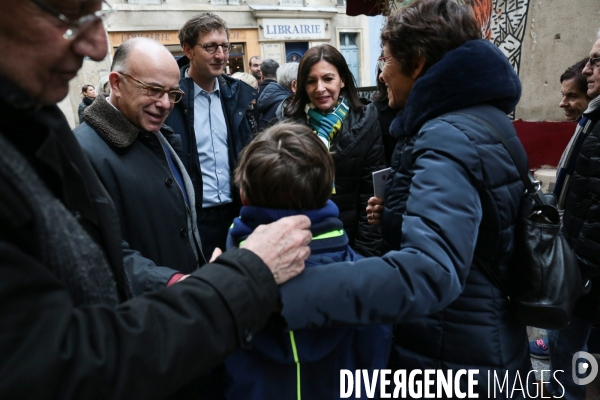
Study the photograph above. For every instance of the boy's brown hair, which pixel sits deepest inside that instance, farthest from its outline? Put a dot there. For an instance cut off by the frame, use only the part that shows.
(286, 167)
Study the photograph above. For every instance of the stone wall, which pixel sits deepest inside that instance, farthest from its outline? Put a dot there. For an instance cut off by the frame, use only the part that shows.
(558, 34)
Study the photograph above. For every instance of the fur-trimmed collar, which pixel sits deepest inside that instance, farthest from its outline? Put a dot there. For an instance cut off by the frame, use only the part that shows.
(111, 124)
(475, 73)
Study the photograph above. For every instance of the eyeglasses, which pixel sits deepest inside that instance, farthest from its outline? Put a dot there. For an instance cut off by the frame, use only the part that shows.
(594, 61)
(211, 48)
(74, 27)
(381, 61)
(156, 92)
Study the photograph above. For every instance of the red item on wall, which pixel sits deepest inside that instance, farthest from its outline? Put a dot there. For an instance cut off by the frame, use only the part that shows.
(544, 142)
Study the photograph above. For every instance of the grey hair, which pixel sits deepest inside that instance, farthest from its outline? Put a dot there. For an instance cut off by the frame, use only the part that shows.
(101, 83)
(287, 73)
(119, 62)
(247, 78)
(598, 34)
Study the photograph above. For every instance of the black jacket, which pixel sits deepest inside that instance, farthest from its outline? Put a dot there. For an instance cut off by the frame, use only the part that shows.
(357, 152)
(581, 219)
(268, 101)
(145, 348)
(235, 98)
(149, 203)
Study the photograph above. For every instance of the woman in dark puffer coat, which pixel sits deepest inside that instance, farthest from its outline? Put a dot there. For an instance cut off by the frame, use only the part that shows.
(454, 193)
(327, 101)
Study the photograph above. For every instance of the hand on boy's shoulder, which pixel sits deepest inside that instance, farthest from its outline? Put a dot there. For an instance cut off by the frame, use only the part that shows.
(282, 245)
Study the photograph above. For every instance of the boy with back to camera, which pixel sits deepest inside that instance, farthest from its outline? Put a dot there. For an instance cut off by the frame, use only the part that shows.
(286, 171)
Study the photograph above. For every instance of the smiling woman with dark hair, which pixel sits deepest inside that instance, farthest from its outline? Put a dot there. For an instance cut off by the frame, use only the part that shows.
(327, 101)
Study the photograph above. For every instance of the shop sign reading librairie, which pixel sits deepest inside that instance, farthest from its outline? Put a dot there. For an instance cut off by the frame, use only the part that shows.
(293, 28)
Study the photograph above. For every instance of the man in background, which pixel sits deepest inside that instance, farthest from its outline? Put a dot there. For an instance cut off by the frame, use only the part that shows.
(578, 195)
(268, 73)
(211, 120)
(275, 94)
(254, 63)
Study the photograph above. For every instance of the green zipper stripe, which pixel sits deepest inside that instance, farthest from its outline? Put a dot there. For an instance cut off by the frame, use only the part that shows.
(326, 235)
(295, 351)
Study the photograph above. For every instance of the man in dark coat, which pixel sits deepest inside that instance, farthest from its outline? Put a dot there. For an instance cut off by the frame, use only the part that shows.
(67, 328)
(136, 157)
(268, 73)
(578, 192)
(275, 94)
(212, 123)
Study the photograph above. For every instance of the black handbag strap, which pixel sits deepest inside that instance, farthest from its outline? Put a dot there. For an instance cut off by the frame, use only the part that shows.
(497, 117)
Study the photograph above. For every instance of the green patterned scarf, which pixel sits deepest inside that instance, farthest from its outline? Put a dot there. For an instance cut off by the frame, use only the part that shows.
(326, 126)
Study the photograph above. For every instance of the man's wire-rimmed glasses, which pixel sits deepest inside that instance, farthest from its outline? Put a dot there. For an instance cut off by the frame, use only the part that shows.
(211, 48)
(156, 93)
(381, 61)
(76, 26)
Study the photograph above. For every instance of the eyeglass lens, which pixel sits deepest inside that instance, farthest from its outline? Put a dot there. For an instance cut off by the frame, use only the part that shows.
(212, 47)
(156, 93)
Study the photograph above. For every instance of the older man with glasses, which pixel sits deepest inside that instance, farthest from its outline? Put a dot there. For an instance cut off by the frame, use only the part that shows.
(68, 328)
(578, 191)
(138, 158)
(212, 123)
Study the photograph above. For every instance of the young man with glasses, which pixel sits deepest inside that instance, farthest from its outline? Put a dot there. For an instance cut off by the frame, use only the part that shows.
(137, 158)
(211, 120)
(68, 326)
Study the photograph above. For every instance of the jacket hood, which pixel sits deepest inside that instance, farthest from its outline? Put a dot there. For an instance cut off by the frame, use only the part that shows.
(475, 73)
(273, 93)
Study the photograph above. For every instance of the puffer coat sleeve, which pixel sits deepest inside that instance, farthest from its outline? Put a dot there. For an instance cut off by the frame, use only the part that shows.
(439, 233)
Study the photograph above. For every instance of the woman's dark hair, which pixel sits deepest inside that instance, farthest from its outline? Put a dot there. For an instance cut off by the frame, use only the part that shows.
(575, 72)
(84, 88)
(312, 56)
(429, 29)
(286, 167)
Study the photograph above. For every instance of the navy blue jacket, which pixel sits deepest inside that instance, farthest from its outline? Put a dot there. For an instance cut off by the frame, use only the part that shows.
(582, 214)
(269, 99)
(455, 191)
(235, 98)
(269, 369)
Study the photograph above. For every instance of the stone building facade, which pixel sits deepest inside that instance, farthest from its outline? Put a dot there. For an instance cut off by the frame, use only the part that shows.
(279, 29)
(540, 37)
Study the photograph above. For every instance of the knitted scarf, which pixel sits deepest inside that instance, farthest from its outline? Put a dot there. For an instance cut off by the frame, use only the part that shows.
(65, 248)
(326, 126)
(87, 101)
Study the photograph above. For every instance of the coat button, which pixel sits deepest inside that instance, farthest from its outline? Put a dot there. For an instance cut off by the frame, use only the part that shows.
(169, 182)
(240, 113)
(248, 335)
(183, 232)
